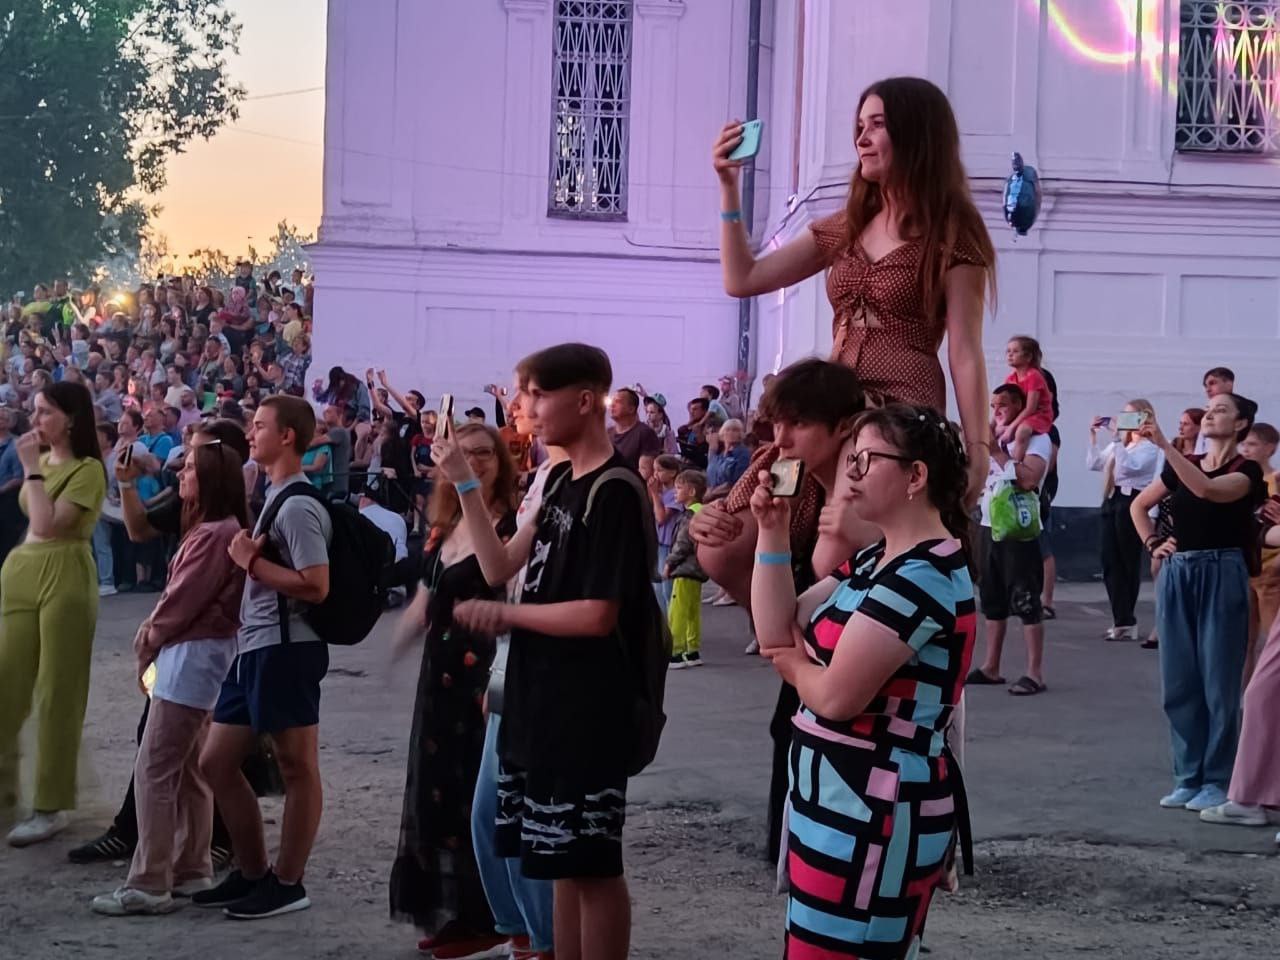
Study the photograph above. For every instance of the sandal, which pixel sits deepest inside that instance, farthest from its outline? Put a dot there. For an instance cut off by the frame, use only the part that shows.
(1026, 687)
(1048, 613)
(1151, 643)
(978, 678)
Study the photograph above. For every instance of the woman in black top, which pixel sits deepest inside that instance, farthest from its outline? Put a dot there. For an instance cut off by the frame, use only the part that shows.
(1202, 595)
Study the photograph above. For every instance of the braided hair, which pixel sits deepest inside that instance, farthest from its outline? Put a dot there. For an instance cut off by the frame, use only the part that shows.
(921, 433)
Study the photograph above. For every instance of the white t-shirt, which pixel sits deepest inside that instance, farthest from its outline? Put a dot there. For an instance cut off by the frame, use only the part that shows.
(191, 673)
(392, 524)
(1038, 446)
(527, 514)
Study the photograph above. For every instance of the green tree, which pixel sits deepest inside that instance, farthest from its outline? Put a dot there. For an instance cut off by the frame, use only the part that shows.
(95, 96)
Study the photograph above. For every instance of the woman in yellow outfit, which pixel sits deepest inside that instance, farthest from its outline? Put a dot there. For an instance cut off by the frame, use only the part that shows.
(49, 606)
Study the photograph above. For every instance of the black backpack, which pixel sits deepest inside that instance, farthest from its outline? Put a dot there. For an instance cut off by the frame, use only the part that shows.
(359, 557)
(646, 646)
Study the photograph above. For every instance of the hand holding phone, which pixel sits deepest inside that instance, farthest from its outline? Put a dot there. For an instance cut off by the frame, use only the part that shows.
(751, 139)
(1131, 420)
(788, 477)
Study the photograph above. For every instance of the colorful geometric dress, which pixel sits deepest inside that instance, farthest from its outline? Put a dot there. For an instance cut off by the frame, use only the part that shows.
(875, 800)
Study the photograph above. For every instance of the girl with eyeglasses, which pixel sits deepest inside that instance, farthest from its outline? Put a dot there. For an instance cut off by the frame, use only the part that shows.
(435, 880)
(878, 653)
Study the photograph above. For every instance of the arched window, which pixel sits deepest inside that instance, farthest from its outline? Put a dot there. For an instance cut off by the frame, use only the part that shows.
(590, 117)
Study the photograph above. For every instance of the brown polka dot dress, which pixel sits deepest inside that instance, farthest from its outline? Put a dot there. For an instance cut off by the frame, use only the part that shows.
(881, 329)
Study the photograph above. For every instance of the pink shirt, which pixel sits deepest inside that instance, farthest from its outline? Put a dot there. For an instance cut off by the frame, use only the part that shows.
(1040, 419)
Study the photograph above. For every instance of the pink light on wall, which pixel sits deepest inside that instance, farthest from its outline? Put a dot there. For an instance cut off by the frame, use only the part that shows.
(1136, 29)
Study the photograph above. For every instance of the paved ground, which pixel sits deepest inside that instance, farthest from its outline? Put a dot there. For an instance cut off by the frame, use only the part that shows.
(1073, 853)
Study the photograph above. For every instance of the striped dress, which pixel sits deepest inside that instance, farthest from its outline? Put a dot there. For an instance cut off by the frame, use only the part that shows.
(873, 801)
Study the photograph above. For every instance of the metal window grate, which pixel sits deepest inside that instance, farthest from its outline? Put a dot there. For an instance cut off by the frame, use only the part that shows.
(591, 113)
(1229, 77)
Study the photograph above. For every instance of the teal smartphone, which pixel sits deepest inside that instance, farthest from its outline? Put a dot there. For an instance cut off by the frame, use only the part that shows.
(751, 137)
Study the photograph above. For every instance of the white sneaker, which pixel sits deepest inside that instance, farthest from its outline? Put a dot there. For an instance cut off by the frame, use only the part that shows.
(1209, 796)
(1235, 814)
(126, 901)
(106, 590)
(198, 885)
(1179, 799)
(39, 827)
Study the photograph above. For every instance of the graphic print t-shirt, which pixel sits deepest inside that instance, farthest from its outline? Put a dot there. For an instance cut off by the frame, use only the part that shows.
(568, 698)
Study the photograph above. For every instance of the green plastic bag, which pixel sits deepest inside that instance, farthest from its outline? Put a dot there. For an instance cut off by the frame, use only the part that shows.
(1015, 513)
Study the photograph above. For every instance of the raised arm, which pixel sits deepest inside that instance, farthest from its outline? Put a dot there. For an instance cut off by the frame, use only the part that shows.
(499, 561)
(745, 275)
(1225, 489)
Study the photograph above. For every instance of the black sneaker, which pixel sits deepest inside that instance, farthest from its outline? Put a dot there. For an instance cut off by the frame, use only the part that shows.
(270, 898)
(109, 846)
(234, 887)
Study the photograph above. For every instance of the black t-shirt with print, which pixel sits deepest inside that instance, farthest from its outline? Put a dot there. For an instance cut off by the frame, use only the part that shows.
(567, 700)
(1200, 524)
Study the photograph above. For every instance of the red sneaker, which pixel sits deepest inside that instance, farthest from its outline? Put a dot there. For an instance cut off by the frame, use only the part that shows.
(471, 948)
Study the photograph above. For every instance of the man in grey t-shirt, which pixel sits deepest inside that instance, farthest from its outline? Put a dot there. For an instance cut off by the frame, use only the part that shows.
(274, 685)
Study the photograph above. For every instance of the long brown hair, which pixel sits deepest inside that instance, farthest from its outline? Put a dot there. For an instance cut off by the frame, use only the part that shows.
(220, 482)
(927, 181)
(445, 510)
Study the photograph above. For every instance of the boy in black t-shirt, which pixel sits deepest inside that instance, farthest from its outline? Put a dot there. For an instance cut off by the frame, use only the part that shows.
(570, 687)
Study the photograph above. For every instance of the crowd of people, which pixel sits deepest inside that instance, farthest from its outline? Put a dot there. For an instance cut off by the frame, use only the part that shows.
(567, 551)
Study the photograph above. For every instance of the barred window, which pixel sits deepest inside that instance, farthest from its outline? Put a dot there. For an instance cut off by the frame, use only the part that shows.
(1229, 77)
(591, 112)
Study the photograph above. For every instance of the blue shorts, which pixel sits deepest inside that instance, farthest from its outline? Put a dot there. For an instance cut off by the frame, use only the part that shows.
(274, 688)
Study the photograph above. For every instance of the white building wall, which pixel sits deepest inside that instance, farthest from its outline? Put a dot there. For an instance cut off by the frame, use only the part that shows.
(435, 245)
(1146, 266)
(438, 261)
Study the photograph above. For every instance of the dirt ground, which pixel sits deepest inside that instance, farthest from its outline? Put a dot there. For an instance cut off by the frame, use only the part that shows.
(1069, 859)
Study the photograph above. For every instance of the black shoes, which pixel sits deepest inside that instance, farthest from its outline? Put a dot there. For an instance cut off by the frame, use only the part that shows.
(110, 846)
(270, 898)
(234, 887)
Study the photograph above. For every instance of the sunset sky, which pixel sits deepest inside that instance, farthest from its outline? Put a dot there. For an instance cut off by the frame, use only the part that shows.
(266, 166)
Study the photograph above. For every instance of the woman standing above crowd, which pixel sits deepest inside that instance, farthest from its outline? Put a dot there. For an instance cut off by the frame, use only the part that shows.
(878, 653)
(1129, 463)
(49, 607)
(907, 260)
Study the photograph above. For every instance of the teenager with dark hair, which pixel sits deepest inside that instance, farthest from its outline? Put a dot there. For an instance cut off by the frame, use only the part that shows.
(49, 604)
(812, 404)
(572, 682)
(190, 639)
(878, 653)
(1202, 608)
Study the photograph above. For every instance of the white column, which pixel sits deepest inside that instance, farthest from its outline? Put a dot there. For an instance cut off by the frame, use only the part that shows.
(526, 159)
(652, 162)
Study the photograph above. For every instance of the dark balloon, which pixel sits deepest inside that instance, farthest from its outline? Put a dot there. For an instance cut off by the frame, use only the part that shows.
(1022, 196)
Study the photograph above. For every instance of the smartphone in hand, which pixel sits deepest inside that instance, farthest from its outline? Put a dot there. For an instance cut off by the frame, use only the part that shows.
(788, 477)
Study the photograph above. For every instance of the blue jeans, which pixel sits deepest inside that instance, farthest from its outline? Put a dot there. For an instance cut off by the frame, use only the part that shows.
(102, 553)
(1203, 622)
(519, 905)
(662, 589)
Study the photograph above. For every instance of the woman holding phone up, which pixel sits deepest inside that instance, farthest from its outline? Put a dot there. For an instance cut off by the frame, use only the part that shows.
(908, 259)
(1128, 463)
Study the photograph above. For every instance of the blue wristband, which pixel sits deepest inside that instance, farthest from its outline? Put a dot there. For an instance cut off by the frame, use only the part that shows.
(773, 559)
(731, 216)
(466, 486)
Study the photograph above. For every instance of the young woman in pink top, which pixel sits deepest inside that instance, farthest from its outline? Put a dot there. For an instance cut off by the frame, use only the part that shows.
(190, 638)
(1023, 355)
